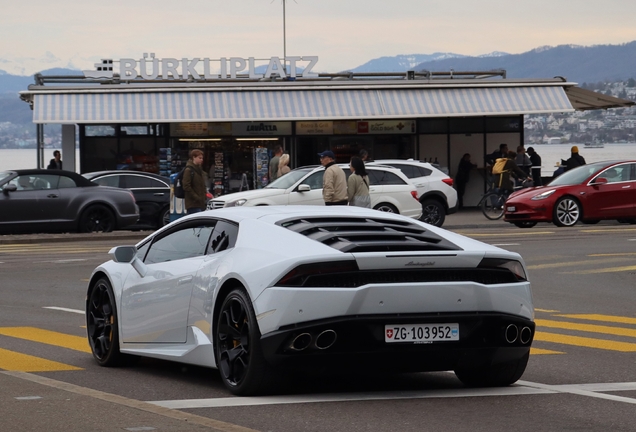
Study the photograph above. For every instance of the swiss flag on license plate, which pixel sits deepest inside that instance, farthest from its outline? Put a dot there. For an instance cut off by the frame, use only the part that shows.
(389, 333)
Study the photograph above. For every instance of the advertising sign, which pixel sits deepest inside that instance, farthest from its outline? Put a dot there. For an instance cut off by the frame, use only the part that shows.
(257, 129)
(378, 127)
(189, 129)
(314, 128)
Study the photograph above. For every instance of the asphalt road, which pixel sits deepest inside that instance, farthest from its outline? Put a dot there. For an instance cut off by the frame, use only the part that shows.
(581, 375)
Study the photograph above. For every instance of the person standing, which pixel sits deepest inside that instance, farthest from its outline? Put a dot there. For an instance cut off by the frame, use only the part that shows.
(334, 181)
(536, 167)
(56, 162)
(283, 165)
(523, 160)
(461, 179)
(364, 155)
(358, 184)
(575, 159)
(273, 163)
(194, 183)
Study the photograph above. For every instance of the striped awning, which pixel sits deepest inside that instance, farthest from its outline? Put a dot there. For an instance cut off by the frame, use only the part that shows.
(149, 106)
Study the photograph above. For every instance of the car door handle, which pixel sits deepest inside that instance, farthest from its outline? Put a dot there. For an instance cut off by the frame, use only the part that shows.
(626, 187)
(185, 280)
(159, 194)
(52, 196)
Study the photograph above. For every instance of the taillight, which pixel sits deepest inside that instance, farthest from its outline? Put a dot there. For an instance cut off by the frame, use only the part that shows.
(414, 195)
(512, 266)
(299, 275)
(448, 181)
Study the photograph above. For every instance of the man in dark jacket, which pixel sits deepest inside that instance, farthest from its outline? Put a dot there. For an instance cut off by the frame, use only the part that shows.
(505, 182)
(536, 166)
(575, 159)
(194, 183)
(56, 162)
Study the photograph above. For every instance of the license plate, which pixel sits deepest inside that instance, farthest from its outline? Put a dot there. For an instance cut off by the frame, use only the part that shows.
(511, 209)
(422, 333)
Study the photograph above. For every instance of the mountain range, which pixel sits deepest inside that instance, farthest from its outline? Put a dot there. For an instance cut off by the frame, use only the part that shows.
(582, 64)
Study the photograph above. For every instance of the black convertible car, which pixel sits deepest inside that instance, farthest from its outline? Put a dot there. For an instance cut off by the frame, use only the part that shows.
(38, 200)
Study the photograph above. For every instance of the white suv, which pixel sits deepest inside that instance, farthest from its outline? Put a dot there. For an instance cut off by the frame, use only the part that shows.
(434, 188)
(390, 191)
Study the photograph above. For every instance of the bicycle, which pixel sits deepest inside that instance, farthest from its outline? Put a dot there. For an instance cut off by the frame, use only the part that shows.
(493, 203)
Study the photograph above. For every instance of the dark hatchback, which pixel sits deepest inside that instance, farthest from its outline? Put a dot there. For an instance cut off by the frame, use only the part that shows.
(39, 200)
(152, 193)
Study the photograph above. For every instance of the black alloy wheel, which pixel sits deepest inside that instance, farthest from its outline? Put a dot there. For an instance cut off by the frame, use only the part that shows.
(101, 325)
(433, 213)
(97, 218)
(239, 357)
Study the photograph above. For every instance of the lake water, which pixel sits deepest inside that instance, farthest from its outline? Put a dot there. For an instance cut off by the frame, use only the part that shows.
(550, 155)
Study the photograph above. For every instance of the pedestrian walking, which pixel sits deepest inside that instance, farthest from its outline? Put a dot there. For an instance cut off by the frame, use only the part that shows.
(462, 176)
(358, 184)
(273, 163)
(194, 183)
(536, 167)
(334, 181)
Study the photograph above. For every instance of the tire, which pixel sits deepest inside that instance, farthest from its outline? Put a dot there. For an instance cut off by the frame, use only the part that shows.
(102, 326)
(164, 217)
(239, 356)
(499, 375)
(526, 224)
(386, 207)
(97, 218)
(493, 206)
(433, 212)
(567, 212)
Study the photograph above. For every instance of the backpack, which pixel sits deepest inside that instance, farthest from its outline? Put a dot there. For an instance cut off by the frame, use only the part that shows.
(500, 164)
(178, 183)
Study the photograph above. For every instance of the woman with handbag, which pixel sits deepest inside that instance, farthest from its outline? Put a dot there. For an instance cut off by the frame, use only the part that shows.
(358, 184)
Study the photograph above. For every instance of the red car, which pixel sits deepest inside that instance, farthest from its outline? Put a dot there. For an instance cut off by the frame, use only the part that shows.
(589, 193)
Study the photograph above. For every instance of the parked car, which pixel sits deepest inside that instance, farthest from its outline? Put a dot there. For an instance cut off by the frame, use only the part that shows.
(434, 188)
(152, 193)
(587, 194)
(254, 291)
(39, 200)
(389, 189)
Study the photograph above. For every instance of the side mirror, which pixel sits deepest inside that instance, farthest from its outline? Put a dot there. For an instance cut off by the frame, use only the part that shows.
(128, 255)
(9, 188)
(304, 188)
(123, 254)
(599, 181)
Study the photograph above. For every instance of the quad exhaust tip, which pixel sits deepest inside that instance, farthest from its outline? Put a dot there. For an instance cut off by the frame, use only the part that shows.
(301, 342)
(512, 333)
(526, 335)
(326, 339)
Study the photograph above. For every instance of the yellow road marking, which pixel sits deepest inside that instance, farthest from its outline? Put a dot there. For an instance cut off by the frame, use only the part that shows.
(525, 233)
(585, 342)
(613, 254)
(591, 328)
(597, 317)
(545, 310)
(576, 263)
(76, 343)
(13, 361)
(606, 270)
(540, 351)
(608, 229)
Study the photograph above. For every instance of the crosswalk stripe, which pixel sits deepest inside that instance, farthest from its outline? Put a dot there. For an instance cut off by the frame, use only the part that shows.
(591, 328)
(33, 334)
(13, 361)
(598, 317)
(585, 342)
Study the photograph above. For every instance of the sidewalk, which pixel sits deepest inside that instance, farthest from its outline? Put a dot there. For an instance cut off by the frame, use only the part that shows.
(466, 218)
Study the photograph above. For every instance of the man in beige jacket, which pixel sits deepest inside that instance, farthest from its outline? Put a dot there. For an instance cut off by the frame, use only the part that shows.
(334, 181)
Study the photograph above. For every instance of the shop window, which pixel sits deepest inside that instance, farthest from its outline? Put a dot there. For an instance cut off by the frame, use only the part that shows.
(99, 130)
(135, 130)
(432, 126)
(466, 125)
(504, 124)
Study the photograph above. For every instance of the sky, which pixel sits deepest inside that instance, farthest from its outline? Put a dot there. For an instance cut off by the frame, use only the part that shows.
(41, 34)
